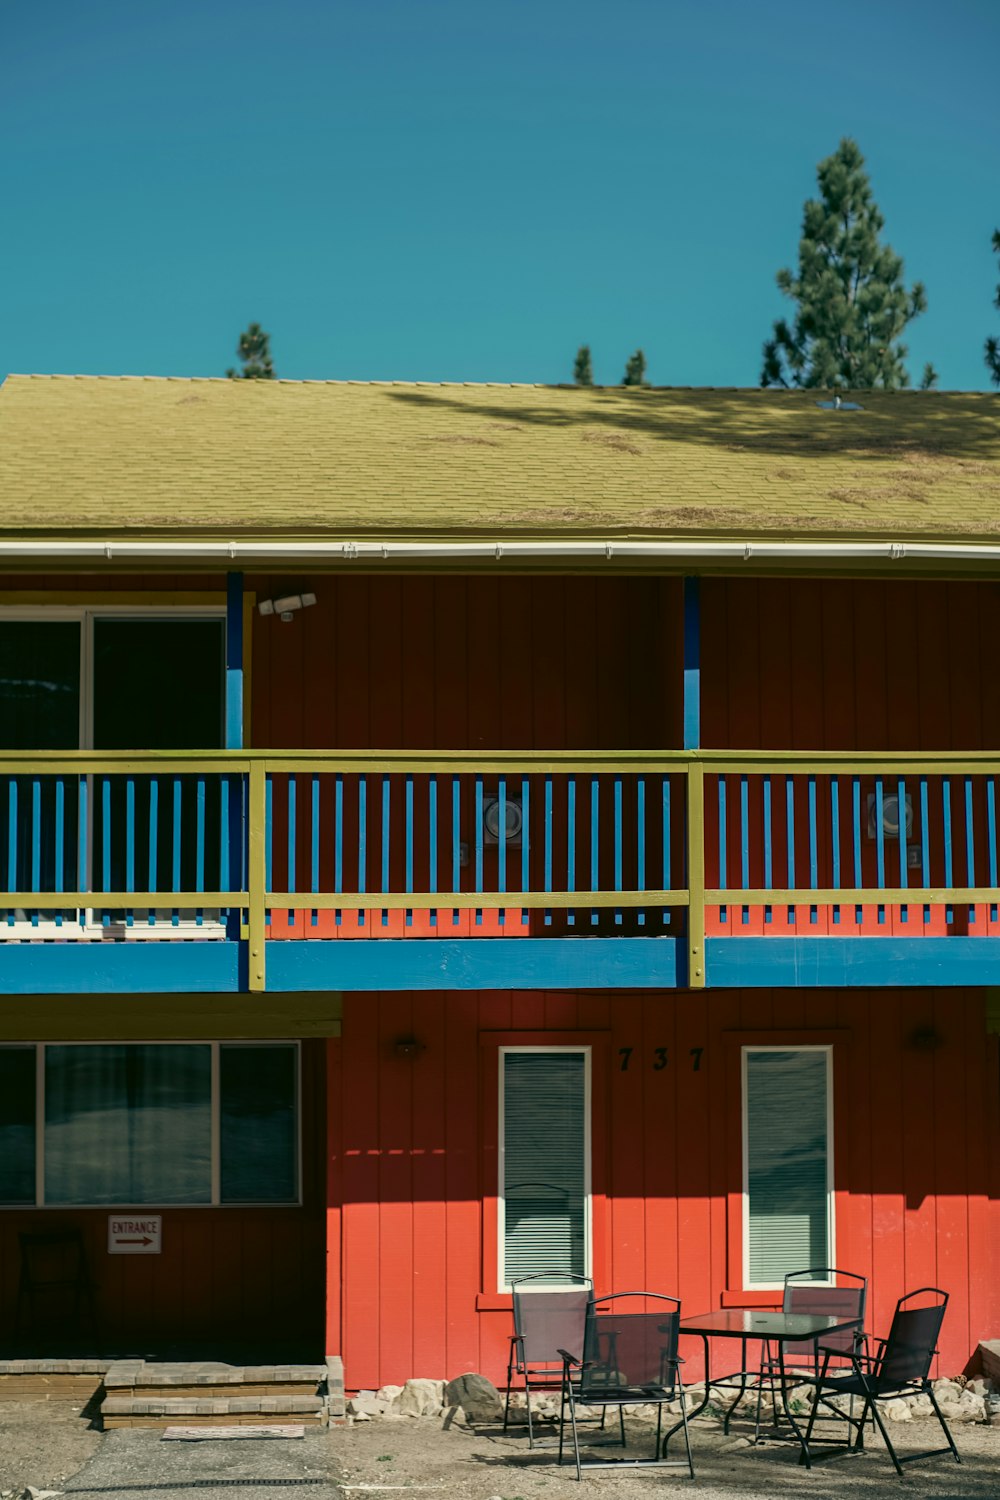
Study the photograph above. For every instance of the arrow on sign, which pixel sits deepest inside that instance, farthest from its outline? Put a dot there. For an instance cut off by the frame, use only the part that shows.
(145, 1241)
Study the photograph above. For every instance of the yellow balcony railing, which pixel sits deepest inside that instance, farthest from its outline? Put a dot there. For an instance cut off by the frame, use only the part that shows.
(259, 844)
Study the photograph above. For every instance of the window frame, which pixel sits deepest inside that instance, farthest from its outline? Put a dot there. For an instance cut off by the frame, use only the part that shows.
(86, 615)
(580, 1048)
(827, 1048)
(215, 1104)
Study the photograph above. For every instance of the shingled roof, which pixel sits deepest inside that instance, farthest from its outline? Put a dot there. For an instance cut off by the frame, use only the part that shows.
(127, 457)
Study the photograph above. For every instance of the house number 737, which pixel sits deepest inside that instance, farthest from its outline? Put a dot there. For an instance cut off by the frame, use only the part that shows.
(661, 1058)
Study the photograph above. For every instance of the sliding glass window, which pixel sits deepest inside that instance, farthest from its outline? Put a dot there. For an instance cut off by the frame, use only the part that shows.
(135, 1124)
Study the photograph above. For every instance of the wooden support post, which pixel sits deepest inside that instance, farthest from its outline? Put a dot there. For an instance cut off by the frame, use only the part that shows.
(695, 785)
(257, 874)
(696, 875)
(234, 661)
(236, 832)
(692, 663)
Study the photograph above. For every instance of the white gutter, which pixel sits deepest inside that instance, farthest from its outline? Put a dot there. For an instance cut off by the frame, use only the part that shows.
(264, 553)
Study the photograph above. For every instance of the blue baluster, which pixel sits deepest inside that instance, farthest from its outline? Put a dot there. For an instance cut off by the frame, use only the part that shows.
(595, 825)
(314, 846)
(525, 844)
(292, 806)
(547, 846)
(175, 913)
(130, 844)
(502, 838)
(768, 844)
(60, 835)
(570, 844)
(154, 807)
(835, 837)
(456, 844)
(617, 794)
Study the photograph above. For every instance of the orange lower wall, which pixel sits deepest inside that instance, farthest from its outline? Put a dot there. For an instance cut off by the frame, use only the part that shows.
(916, 1142)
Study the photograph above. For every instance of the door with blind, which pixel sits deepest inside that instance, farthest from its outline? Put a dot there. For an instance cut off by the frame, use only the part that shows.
(545, 1163)
(788, 1201)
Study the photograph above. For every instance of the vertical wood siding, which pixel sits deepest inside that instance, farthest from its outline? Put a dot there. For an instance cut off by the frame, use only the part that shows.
(831, 664)
(467, 663)
(917, 1158)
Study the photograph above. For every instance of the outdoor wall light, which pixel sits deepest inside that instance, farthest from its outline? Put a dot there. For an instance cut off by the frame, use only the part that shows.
(286, 606)
(407, 1048)
(513, 820)
(890, 815)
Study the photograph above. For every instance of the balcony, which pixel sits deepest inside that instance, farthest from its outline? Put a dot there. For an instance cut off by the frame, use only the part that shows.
(675, 868)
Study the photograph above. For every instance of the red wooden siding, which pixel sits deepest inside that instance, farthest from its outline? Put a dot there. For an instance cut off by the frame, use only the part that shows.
(841, 664)
(252, 1277)
(467, 663)
(917, 1158)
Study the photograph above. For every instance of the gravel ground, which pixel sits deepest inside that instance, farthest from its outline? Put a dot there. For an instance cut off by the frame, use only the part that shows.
(377, 1457)
(43, 1442)
(51, 1445)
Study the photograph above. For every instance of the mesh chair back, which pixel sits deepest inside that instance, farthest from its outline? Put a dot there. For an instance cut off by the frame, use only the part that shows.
(550, 1321)
(551, 1318)
(913, 1337)
(630, 1350)
(803, 1295)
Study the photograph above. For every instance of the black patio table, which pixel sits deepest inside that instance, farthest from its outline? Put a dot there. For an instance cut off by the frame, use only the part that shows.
(746, 1324)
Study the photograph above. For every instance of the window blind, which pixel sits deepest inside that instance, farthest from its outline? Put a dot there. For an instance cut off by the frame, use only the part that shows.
(787, 1157)
(544, 1188)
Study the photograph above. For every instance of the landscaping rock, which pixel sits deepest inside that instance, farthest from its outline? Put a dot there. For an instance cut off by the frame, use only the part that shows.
(477, 1396)
(389, 1395)
(364, 1406)
(420, 1398)
(897, 1411)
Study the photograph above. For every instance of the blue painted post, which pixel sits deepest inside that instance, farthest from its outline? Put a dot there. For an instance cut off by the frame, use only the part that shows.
(692, 663)
(234, 661)
(692, 716)
(234, 741)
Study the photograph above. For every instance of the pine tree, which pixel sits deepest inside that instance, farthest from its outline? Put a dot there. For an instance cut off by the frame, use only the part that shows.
(583, 370)
(254, 350)
(991, 349)
(851, 305)
(635, 369)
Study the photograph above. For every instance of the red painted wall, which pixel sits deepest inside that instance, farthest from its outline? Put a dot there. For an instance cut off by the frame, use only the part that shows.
(917, 1158)
(831, 664)
(466, 663)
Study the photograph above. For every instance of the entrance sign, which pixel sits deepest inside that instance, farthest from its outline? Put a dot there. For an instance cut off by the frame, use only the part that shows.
(132, 1235)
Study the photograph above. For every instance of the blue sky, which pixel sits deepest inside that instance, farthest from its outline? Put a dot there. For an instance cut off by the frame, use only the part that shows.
(450, 190)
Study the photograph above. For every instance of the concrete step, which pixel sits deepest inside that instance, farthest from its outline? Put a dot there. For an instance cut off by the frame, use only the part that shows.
(197, 1377)
(44, 1379)
(209, 1410)
(148, 1393)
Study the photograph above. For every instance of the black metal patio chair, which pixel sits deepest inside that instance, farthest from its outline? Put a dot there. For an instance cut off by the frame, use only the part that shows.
(900, 1367)
(550, 1310)
(814, 1291)
(629, 1359)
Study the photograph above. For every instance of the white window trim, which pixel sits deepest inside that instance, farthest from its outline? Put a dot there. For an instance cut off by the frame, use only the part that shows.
(215, 1201)
(586, 1052)
(831, 1225)
(86, 615)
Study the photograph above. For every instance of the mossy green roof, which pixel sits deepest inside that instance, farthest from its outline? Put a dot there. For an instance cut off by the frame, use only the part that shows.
(82, 455)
